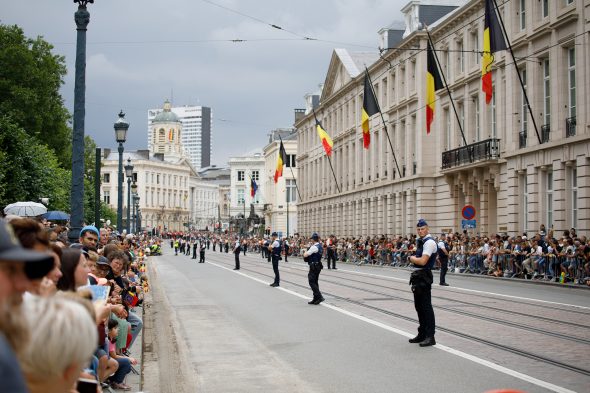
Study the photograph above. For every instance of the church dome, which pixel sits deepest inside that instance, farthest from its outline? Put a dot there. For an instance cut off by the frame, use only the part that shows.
(166, 116)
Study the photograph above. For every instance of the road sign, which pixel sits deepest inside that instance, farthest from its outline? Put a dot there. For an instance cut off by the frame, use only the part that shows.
(468, 224)
(468, 212)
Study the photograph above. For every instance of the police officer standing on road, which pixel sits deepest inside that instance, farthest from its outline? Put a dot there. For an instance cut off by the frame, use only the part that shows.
(313, 256)
(443, 256)
(275, 254)
(421, 282)
(331, 246)
(236, 250)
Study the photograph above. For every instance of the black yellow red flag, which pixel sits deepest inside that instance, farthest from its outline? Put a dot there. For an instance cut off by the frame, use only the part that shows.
(493, 41)
(370, 107)
(282, 160)
(433, 83)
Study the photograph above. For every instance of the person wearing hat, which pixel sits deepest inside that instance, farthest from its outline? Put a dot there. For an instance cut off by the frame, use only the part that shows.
(313, 256)
(236, 250)
(331, 251)
(421, 282)
(18, 268)
(89, 236)
(443, 256)
(275, 253)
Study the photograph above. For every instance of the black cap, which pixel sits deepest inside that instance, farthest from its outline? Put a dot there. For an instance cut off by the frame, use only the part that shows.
(37, 264)
(274, 234)
(315, 236)
(103, 261)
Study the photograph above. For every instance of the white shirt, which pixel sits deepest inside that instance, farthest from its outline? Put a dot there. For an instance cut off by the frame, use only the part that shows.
(441, 245)
(312, 250)
(428, 248)
(276, 244)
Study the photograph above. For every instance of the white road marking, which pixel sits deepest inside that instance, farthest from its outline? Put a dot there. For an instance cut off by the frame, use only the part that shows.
(475, 359)
(471, 290)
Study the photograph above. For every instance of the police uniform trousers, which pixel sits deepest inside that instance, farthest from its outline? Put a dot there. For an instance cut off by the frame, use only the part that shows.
(275, 268)
(331, 257)
(444, 267)
(422, 286)
(313, 277)
(202, 256)
(237, 255)
(195, 251)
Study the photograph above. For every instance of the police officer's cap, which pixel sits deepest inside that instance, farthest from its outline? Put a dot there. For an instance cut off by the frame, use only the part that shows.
(421, 223)
(275, 234)
(315, 236)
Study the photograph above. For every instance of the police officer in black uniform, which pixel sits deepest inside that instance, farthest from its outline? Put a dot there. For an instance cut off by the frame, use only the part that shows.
(421, 282)
(236, 250)
(313, 256)
(444, 246)
(275, 253)
(202, 253)
(331, 251)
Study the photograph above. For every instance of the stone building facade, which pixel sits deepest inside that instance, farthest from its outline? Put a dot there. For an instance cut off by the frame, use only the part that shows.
(280, 198)
(515, 180)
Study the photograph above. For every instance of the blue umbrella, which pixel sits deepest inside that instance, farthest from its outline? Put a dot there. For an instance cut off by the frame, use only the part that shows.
(56, 215)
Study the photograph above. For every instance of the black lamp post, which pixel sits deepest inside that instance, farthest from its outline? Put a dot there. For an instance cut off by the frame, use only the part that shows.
(121, 127)
(82, 18)
(129, 174)
(135, 207)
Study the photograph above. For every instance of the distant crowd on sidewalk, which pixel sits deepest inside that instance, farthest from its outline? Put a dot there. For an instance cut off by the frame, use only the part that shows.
(544, 255)
(69, 313)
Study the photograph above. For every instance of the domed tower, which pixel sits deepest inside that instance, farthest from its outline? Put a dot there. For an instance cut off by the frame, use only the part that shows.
(166, 133)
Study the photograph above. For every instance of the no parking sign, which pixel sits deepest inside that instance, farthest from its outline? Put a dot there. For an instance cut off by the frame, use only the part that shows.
(468, 212)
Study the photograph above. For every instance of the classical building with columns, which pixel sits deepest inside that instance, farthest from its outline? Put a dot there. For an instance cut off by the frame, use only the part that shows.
(517, 177)
(172, 195)
(280, 208)
(242, 204)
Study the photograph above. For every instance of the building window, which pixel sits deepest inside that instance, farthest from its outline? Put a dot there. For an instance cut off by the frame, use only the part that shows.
(547, 91)
(525, 202)
(241, 199)
(147, 177)
(461, 56)
(134, 177)
(475, 45)
(477, 123)
(549, 223)
(291, 160)
(574, 182)
(447, 117)
(523, 112)
(571, 71)
(545, 8)
(256, 175)
(291, 190)
(522, 11)
(107, 178)
(158, 178)
(241, 175)
(106, 197)
(494, 115)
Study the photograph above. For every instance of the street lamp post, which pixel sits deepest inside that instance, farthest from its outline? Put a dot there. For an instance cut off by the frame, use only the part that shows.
(129, 175)
(82, 18)
(133, 195)
(135, 211)
(121, 127)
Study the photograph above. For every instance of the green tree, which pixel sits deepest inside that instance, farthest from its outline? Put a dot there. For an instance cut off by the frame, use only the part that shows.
(30, 78)
(29, 170)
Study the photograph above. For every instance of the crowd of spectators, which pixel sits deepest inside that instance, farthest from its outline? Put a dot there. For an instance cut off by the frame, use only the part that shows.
(544, 255)
(68, 312)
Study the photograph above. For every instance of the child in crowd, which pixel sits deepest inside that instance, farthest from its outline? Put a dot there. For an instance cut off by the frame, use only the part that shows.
(125, 362)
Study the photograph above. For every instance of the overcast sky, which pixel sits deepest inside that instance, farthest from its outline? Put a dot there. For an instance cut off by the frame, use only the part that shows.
(252, 87)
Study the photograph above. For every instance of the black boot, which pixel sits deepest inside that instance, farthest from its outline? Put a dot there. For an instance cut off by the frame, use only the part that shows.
(419, 338)
(428, 341)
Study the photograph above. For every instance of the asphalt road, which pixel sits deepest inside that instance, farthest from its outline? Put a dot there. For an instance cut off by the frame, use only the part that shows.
(237, 334)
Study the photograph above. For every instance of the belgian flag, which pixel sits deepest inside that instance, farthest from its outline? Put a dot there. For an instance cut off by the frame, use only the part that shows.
(280, 162)
(370, 107)
(433, 84)
(324, 137)
(493, 41)
(253, 187)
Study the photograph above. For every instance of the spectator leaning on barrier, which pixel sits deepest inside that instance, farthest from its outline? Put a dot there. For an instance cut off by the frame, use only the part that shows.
(18, 267)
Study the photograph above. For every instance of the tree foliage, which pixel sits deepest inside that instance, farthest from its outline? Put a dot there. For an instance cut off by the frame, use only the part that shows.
(30, 78)
(29, 170)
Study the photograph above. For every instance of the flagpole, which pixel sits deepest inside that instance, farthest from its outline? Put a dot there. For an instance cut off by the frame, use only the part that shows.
(526, 97)
(384, 124)
(332, 168)
(292, 174)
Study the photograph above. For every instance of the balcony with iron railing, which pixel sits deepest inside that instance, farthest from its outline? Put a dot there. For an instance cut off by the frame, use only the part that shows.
(522, 139)
(570, 126)
(470, 154)
(545, 133)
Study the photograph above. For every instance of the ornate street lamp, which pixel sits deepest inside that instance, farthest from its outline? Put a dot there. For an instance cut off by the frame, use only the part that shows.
(129, 174)
(82, 18)
(135, 207)
(121, 127)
